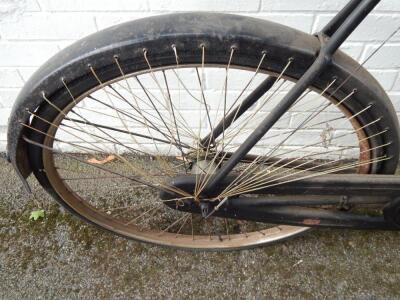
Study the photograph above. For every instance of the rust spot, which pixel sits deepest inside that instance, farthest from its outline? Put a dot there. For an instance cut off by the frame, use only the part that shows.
(311, 221)
(364, 145)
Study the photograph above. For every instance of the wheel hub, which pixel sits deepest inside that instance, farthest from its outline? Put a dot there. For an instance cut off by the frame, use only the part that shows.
(203, 167)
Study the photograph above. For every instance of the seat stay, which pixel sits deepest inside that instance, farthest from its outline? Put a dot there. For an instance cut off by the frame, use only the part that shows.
(328, 48)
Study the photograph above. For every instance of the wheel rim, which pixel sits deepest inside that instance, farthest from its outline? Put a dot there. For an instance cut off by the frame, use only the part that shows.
(204, 241)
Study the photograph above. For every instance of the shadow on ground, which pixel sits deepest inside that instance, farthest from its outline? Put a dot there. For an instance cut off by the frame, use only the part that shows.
(62, 257)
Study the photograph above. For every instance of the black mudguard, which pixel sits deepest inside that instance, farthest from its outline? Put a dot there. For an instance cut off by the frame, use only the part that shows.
(162, 31)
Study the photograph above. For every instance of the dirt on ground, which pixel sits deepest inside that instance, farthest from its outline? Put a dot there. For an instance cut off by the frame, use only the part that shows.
(61, 257)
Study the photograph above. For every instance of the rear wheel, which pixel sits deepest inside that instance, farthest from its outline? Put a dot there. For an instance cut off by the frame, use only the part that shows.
(108, 143)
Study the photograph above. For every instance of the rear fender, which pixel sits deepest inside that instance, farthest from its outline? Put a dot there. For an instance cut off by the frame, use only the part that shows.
(99, 49)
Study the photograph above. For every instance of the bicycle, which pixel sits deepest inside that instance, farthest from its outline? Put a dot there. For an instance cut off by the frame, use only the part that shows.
(212, 131)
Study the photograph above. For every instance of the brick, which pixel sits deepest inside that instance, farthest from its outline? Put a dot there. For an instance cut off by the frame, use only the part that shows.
(3, 133)
(7, 97)
(48, 27)
(297, 151)
(4, 114)
(95, 5)
(256, 119)
(3, 138)
(12, 8)
(10, 78)
(32, 6)
(204, 5)
(309, 103)
(304, 137)
(351, 153)
(376, 27)
(215, 100)
(385, 77)
(386, 57)
(296, 5)
(353, 49)
(321, 5)
(345, 138)
(64, 44)
(388, 5)
(237, 79)
(26, 54)
(322, 120)
(395, 97)
(396, 86)
(181, 78)
(107, 20)
(26, 73)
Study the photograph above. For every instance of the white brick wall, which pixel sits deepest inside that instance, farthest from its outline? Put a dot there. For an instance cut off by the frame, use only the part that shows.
(33, 30)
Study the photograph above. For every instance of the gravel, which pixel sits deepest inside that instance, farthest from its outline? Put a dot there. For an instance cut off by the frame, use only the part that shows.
(62, 257)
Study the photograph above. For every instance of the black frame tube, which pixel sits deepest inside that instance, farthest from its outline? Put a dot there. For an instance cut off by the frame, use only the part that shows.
(303, 216)
(339, 18)
(350, 189)
(249, 209)
(327, 50)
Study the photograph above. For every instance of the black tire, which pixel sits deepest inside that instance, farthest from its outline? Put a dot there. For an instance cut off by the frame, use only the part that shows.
(218, 33)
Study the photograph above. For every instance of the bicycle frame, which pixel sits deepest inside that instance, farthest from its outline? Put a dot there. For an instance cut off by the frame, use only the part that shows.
(346, 190)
